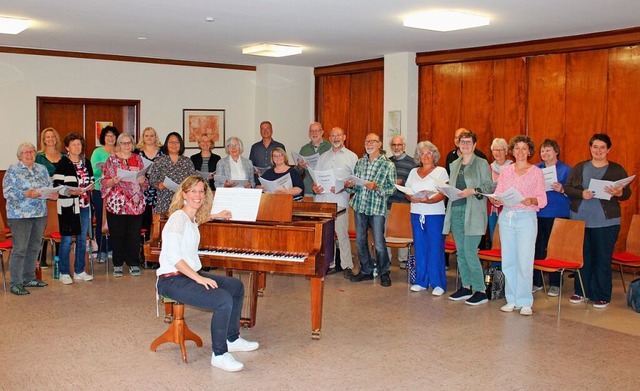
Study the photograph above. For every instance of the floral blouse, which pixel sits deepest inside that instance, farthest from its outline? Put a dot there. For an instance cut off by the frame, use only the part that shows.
(123, 198)
(177, 172)
(151, 194)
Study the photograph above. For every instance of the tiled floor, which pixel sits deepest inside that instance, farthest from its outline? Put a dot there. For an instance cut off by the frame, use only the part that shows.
(96, 335)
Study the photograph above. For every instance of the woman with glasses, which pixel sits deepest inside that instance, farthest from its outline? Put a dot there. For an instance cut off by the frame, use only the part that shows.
(499, 151)
(466, 217)
(235, 170)
(172, 165)
(280, 168)
(124, 201)
(427, 219)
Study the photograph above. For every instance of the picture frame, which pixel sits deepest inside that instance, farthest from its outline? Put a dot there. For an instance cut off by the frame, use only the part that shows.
(196, 122)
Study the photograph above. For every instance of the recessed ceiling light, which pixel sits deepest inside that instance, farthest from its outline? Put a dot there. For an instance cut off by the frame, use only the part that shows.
(445, 20)
(13, 25)
(271, 50)
(209, 19)
(142, 38)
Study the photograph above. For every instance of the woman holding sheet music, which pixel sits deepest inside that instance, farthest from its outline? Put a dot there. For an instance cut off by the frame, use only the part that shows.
(74, 206)
(281, 168)
(235, 170)
(427, 219)
(518, 224)
(149, 148)
(206, 161)
(602, 218)
(172, 165)
(124, 202)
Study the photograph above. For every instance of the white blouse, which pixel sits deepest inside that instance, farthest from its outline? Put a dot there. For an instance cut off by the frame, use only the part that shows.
(427, 183)
(180, 240)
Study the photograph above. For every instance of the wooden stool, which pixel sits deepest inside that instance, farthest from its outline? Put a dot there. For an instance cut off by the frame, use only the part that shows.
(178, 331)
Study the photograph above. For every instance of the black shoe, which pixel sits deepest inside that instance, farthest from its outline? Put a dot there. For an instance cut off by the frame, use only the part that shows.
(348, 273)
(332, 270)
(478, 298)
(361, 277)
(461, 294)
(44, 265)
(385, 280)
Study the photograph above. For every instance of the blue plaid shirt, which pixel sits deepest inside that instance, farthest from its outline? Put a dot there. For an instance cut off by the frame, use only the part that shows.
(381, 171)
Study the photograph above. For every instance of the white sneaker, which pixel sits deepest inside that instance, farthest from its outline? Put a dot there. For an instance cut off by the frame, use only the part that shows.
(509, 307)
(417, 288)
(536, 289)
(242, 345)
(526, 311)
(437, 291)
(66, 279)
(83, 276)
(226, 362)
(553, 291)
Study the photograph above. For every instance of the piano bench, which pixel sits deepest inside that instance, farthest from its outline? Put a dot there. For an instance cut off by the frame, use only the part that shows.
(178, 331)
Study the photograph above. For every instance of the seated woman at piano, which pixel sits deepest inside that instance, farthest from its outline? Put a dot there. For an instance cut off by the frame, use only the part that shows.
(180, 279)
(234, 170)
(281, 168)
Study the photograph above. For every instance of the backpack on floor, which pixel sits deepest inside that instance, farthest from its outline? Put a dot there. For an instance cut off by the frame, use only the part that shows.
(633, 295)
(494, 281)
(411, 268)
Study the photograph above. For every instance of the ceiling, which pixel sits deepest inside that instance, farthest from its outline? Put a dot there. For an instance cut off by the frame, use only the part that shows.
(330, 31)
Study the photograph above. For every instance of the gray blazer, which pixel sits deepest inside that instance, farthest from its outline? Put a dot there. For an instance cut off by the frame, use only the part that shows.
(224, 168)
(477, 174)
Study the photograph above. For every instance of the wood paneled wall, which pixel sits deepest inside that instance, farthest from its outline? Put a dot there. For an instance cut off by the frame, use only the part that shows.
(351, 96)
(563, 96)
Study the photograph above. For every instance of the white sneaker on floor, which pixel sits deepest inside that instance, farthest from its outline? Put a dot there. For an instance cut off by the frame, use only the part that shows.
(437, 291)
(66, 279)
(226, 362)
(83, 276)
(242, 345)
(526, 311)
(553, 291)
(417, 288)
(509, 307)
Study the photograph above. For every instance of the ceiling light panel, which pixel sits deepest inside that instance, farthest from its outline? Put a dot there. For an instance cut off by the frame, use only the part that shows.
(271, 50)
(445, 20)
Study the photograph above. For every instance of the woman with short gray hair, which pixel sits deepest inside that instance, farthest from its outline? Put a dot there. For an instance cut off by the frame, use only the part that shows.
(234, 170)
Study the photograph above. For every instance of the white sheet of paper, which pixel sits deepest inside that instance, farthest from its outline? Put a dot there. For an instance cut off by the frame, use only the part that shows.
(89, 187)
(242, 203)
(597, 186)
(131, 176)
(147, 163)
(450, 191)
(510, 197)
(325, 178)
(169, 184)
(284, 182)
(205, 175)
(311, 160)
(45, 192)
(550, 176)
(261, 170)
(99, 165)
(420, 194)
(358, 181)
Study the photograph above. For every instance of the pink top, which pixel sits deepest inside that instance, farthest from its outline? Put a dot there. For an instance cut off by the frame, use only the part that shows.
(123, 198)
(531, 184)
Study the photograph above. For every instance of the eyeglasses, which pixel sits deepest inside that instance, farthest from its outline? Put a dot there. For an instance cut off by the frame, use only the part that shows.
(426, 153)
(126, 143)
(397, 145)
(499, 150)
(367, 142)
(466, 142)
(277, 155)
(173, 142)
(30, 151)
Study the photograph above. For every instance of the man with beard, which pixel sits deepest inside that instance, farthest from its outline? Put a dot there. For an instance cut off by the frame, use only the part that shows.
(317, 145)
(342, 161)
(370, 208)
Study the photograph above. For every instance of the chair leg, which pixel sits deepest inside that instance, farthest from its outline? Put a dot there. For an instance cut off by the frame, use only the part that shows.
(586, 303)
(624, 286)
(544, 286)
(559, 290)
(4, 277)
(178, 332)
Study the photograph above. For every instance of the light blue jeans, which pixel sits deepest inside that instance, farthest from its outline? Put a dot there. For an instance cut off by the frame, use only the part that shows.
(81, 245)
(518, 231)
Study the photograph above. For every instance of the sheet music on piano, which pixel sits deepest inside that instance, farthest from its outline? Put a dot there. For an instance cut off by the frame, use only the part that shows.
(243, 203)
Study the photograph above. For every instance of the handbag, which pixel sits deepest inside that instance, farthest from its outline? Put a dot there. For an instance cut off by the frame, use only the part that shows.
(494, 282)
(411, 268)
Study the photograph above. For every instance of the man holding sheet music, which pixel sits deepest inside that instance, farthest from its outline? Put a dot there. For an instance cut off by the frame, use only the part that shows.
(374, 180)
(332, 167)
(316, 147)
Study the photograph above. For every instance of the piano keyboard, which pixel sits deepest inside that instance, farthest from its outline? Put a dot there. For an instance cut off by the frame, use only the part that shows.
(251, 254)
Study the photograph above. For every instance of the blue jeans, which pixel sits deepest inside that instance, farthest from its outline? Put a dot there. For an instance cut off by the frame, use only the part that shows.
(376, 222)
(596, 272)
(98, 202)
(518, 230)
(428, 242)
(225, 302)
(81, 245)
(466, 251)
(27, 238)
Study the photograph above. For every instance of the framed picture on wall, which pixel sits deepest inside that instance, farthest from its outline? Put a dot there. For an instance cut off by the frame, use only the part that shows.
(199, 122)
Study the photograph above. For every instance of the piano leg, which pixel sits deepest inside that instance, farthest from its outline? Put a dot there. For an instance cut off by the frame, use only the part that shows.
(250, 302)
(262, 283)
(317, 293)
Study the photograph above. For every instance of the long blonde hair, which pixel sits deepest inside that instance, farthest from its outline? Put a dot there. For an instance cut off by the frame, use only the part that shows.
(57, 136)
(203, 213)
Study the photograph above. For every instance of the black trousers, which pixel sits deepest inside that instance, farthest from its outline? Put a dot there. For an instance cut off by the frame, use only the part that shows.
(125, 238)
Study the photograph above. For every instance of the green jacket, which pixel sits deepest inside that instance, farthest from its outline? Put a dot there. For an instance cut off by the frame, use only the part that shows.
(307, 150)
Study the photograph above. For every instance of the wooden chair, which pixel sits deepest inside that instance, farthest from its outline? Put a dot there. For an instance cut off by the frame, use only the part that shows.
(564, 252)
(398, 232)
(495, 254)
(5, 246)
(630, 257)
(52, 229)
(105, 235)
(178, 331)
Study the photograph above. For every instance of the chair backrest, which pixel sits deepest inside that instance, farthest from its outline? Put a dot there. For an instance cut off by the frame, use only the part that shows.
(3, 234)
(53, 225)
(566, 241)
(633, 236)
(154, 236)
(399, 221)
(352, 221)
(495, 243)
(105, 226)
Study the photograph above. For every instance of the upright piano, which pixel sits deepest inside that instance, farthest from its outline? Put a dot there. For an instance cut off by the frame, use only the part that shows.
(288, 237)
